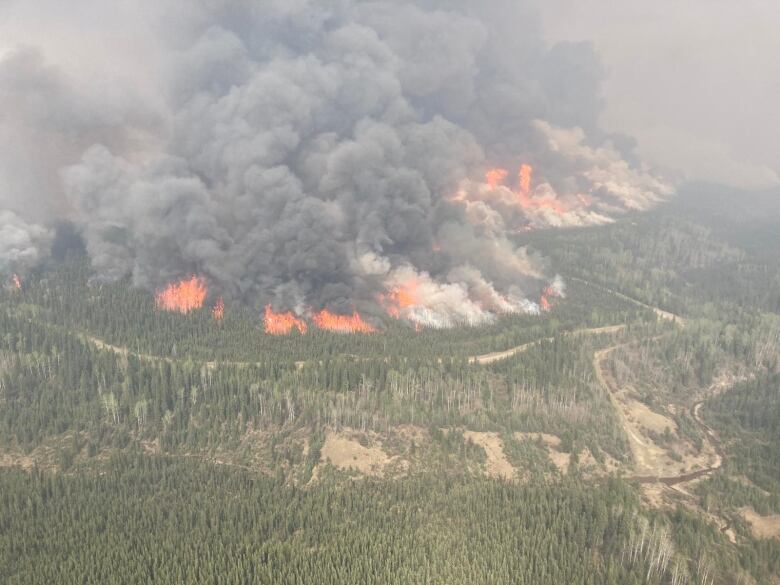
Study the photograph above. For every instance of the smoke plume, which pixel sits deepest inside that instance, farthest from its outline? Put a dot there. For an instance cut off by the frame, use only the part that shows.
(328, 156)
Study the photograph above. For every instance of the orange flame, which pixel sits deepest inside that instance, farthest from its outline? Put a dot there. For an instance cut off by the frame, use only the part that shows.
(496, 177)
(183, 296)
(282, 323)
(526, 176)
(16, 282)
(399, 298)
(218, 310)
(342, 323)
(527, 201)
(547, 302)
(552, 203)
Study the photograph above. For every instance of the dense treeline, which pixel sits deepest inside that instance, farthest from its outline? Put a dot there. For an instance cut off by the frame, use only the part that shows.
(53, 382)
(681, 362)
(196, 391)
(748, 416)
(153, 520)
(701, 248)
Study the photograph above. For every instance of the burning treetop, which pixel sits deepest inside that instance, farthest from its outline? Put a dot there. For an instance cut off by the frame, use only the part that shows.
(183, 296)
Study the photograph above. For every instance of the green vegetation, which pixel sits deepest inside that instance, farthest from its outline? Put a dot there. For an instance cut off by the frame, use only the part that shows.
(143, 446)
(153, 520)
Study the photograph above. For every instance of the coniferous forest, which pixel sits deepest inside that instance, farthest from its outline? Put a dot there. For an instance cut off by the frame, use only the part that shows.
(629, 435)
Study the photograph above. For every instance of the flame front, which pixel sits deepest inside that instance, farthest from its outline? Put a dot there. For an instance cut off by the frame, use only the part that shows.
(496, 177)
(282, 323)
(218, 310)
(526, 176)
(399, 298)
(183, 296)
(529, 200)
(342, 323)
(16, 282)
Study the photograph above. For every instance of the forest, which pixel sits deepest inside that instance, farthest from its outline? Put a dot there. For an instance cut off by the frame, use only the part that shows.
(629, 435)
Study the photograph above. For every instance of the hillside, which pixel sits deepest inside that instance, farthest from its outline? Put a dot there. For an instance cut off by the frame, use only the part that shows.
(627, 435)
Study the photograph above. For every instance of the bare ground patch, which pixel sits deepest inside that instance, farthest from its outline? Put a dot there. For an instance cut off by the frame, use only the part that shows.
(762, 526)
(673, 458)
(360, 451)
(497, 464)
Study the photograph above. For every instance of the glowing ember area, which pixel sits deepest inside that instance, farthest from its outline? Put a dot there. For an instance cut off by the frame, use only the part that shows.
(496, 177)
(545, 202)
(282, 323)
(183, 296)
(399, 298)
(552, 292)
(342, 323)
(218, 310)
(536, 201)
(526, 176)
(16, 282)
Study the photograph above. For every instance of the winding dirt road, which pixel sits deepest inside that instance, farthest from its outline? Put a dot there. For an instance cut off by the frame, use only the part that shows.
(651, 461)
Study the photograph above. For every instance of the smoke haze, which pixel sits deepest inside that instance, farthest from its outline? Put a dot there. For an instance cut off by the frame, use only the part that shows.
(310, 155)
(695, 82)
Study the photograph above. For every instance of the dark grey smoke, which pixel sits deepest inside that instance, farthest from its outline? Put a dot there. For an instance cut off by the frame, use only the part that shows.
(309, 150)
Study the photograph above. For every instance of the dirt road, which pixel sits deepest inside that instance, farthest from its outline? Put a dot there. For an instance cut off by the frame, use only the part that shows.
(653, 462)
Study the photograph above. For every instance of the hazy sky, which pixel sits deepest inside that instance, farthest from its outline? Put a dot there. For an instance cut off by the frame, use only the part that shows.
(697, 82)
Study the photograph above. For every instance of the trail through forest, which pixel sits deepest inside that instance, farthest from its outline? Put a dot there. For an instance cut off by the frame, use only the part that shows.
(653, 463)
(497, 356)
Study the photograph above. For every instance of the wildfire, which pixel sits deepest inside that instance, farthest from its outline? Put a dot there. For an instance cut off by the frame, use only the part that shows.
(282, 323)
(526, 195)
(342, 323)
(526, 175)
(552, 203)
(16, 282)
(496, 177)
(218, 310)
(183, 296)
(399, 298)
(549, 294)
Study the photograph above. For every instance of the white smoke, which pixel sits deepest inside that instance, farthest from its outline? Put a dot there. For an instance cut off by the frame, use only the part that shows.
(22, 244)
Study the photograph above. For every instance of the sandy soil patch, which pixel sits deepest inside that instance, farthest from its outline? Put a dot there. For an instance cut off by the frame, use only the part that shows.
(26, 462)
(550, 440)
(651, 458)
(497, 464)
(649, 419)
(561, 459)
(762, 526)
(343, 450)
